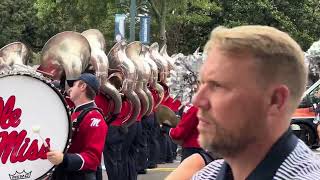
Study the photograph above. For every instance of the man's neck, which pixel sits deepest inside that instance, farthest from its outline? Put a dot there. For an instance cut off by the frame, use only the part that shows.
(246, 161)
(82, 101)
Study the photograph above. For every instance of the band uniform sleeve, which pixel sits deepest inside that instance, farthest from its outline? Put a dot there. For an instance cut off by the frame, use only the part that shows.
(187, 123)
(72, 162)
(93, 133)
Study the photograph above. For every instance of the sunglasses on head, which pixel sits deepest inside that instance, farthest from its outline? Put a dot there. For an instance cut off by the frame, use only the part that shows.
(70, 83)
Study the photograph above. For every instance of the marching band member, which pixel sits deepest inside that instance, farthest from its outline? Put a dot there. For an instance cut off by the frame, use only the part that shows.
(186, 132)
(140, 146)
(84, 155)
(113, 156)
(153, 146)
(186, 77)
(175, 105)
(165, 141)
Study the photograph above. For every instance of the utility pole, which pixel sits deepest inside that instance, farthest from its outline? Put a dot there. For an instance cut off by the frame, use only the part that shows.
(133, 12)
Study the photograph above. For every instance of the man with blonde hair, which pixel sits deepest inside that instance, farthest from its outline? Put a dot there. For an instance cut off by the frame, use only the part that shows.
(251, 82)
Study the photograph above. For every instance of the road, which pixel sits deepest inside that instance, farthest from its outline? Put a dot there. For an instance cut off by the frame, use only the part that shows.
(158, 173)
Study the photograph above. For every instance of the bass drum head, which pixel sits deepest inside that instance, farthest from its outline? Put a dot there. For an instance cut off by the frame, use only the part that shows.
(31, 111)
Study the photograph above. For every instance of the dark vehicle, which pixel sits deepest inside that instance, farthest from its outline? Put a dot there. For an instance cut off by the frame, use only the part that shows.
(305, 119)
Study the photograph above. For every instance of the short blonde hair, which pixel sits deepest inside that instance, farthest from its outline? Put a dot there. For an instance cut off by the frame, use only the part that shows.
(279, 58)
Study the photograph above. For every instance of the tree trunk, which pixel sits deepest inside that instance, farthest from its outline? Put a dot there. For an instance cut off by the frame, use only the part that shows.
(163, 36)
(161, 19)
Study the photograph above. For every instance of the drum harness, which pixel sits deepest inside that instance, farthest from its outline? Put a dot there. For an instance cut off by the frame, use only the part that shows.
(76, 124)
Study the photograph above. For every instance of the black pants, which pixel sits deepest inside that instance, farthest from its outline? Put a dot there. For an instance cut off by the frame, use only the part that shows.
(163, 147)
(152, 140)
(128, 153)
(60, 174)
(99, 173)
(112, 153)
(174, 150)
(140, 143)
(146, 133)
(186, 152)
(169, 152)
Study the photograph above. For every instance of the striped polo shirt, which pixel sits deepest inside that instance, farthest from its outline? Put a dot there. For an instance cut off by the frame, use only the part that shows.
(289, 158)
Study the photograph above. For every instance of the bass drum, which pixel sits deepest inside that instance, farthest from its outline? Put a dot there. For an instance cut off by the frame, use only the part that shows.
(33, 119)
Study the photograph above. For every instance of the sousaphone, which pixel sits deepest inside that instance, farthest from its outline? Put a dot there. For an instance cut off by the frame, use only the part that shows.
(14, 53)
(134, 53)
(129, 84)
(67, 53)
(100, 63)
(164, 54)
(160, 61)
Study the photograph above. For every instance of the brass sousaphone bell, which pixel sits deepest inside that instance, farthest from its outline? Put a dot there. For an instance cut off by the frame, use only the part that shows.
(164, 54)
(65, 53)
(100, 63)
(129, 84)
(162, 64)
(149, 79)
(134, 53)
(14, 53)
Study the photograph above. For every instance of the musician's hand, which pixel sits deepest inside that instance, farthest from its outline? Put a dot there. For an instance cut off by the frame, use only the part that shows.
(55, 157)
(165, 128)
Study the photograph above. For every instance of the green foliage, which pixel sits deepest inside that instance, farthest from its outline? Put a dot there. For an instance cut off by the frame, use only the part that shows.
(17, 22)
(191, 25)
(76, 15)
(297, 17)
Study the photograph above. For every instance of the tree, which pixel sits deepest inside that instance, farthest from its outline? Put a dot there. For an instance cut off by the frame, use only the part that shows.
(297, 17)
(191, 22)
(76, 15)
(189, 25)
(160, 10)
(18, 21)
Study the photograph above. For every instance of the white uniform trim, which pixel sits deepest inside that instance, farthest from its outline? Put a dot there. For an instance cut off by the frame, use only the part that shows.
(302, 117)
(82, 161)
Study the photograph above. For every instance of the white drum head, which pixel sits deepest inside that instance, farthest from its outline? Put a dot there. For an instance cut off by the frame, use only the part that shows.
(30, 109)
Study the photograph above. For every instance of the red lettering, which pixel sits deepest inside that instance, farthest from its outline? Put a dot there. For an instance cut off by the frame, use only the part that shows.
(32, 152)
(9, 117)
(43, 150)
(23, 148)
(16, 147)
(15, 140)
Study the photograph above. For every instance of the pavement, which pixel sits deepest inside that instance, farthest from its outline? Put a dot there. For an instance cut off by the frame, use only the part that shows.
(159, 173)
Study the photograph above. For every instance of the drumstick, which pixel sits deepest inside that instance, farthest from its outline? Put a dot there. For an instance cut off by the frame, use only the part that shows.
(36, 129)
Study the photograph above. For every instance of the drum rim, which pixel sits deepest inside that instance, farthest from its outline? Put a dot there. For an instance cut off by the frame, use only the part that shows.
(66, 107)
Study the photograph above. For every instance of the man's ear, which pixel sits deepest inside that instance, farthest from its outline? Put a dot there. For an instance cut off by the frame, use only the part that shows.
(279, 97)
(83, 86)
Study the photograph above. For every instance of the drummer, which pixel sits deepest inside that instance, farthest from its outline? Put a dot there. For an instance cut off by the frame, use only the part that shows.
(84, 155)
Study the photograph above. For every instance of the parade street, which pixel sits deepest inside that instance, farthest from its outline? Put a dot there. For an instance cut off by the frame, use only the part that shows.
(158, 173)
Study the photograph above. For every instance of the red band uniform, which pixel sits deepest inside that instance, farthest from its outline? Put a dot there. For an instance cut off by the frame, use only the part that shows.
(89, 132)
(186, 132)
